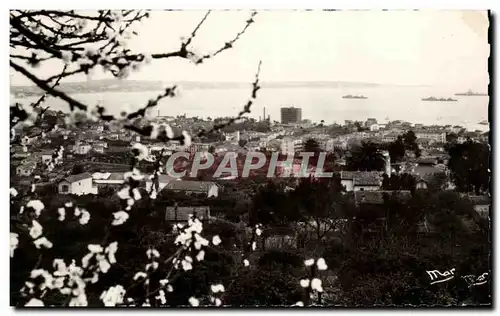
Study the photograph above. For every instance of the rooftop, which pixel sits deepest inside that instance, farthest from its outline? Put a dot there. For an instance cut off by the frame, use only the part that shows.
(78, 177)
(194, 186)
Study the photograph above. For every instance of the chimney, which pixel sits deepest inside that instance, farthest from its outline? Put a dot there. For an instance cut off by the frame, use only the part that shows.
(264, 116)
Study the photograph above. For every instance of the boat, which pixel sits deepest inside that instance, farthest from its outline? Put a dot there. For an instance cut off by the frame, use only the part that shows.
(438, 99)
(485, 122)
(349, 96)
(472, 94)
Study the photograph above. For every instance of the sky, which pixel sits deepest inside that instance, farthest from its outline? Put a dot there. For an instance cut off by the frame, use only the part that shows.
(438, 48)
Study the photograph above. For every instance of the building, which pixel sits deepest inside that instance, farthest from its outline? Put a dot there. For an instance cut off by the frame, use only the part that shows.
(434, 135)
(26, 169)
(81, 149)
(211, 189)
(78, 184)
(290, 145)
(371, 121)
(181, 214)
(361, 180)
(291, 115)
(114, 179)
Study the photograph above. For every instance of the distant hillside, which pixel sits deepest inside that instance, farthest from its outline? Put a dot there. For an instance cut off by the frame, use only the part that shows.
(96, 86)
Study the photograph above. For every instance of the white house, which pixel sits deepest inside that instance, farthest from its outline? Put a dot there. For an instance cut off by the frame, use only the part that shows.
(289, 145)
(108, 179)
(78, 184)
(361, 180)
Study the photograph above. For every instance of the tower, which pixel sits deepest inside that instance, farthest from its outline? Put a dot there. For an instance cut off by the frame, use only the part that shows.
(264, 116)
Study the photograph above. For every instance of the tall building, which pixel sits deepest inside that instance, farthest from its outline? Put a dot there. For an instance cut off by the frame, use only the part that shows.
(291, 115)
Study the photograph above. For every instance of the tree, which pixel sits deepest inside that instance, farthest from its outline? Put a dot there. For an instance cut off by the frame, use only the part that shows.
(469, 164)
(366, 157)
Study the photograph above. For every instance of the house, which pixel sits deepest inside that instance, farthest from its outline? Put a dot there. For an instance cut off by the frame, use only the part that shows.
(26, 169)
(361, 180)
(108, 179)
(77, 184)
(438, 136)
(181, 214)
(211, 189)
(46, 156)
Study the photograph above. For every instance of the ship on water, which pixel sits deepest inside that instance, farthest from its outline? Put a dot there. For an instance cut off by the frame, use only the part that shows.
(472, 94)
(483, 122)
(349, 96)
(438, 99)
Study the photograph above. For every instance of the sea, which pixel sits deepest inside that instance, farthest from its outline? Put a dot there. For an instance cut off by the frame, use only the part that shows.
(317, 103)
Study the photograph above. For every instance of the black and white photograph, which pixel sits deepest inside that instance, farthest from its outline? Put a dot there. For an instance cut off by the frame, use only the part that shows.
(209, 158)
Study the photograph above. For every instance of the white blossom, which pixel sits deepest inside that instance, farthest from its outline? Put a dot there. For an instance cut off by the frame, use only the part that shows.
(201, 255)
(163, 282)
(124, 193)
(61, 269)
(254, 246)
(137, 194)
(258, 231)
(104, 265)
(13, 192)
(153, 265)
(34, 303)
(246, 262)
(217, 288)
(170, 288)
(194, 302)
(68, 204)
(14, 241)
(85, 217)
(161, 297)
(120, 218)
(299, 303)
(114, 295)
(309, 262)
(321, 264)
(42, 242)
(36, 230)
(37, 205)
(139, 275)
(186, 265)
(94, 248)
(77, 211)
(316, 285)
(216, 240)
(304, 282)
(111, 251)
(152, 253)
(62, 213)
(218, 302)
